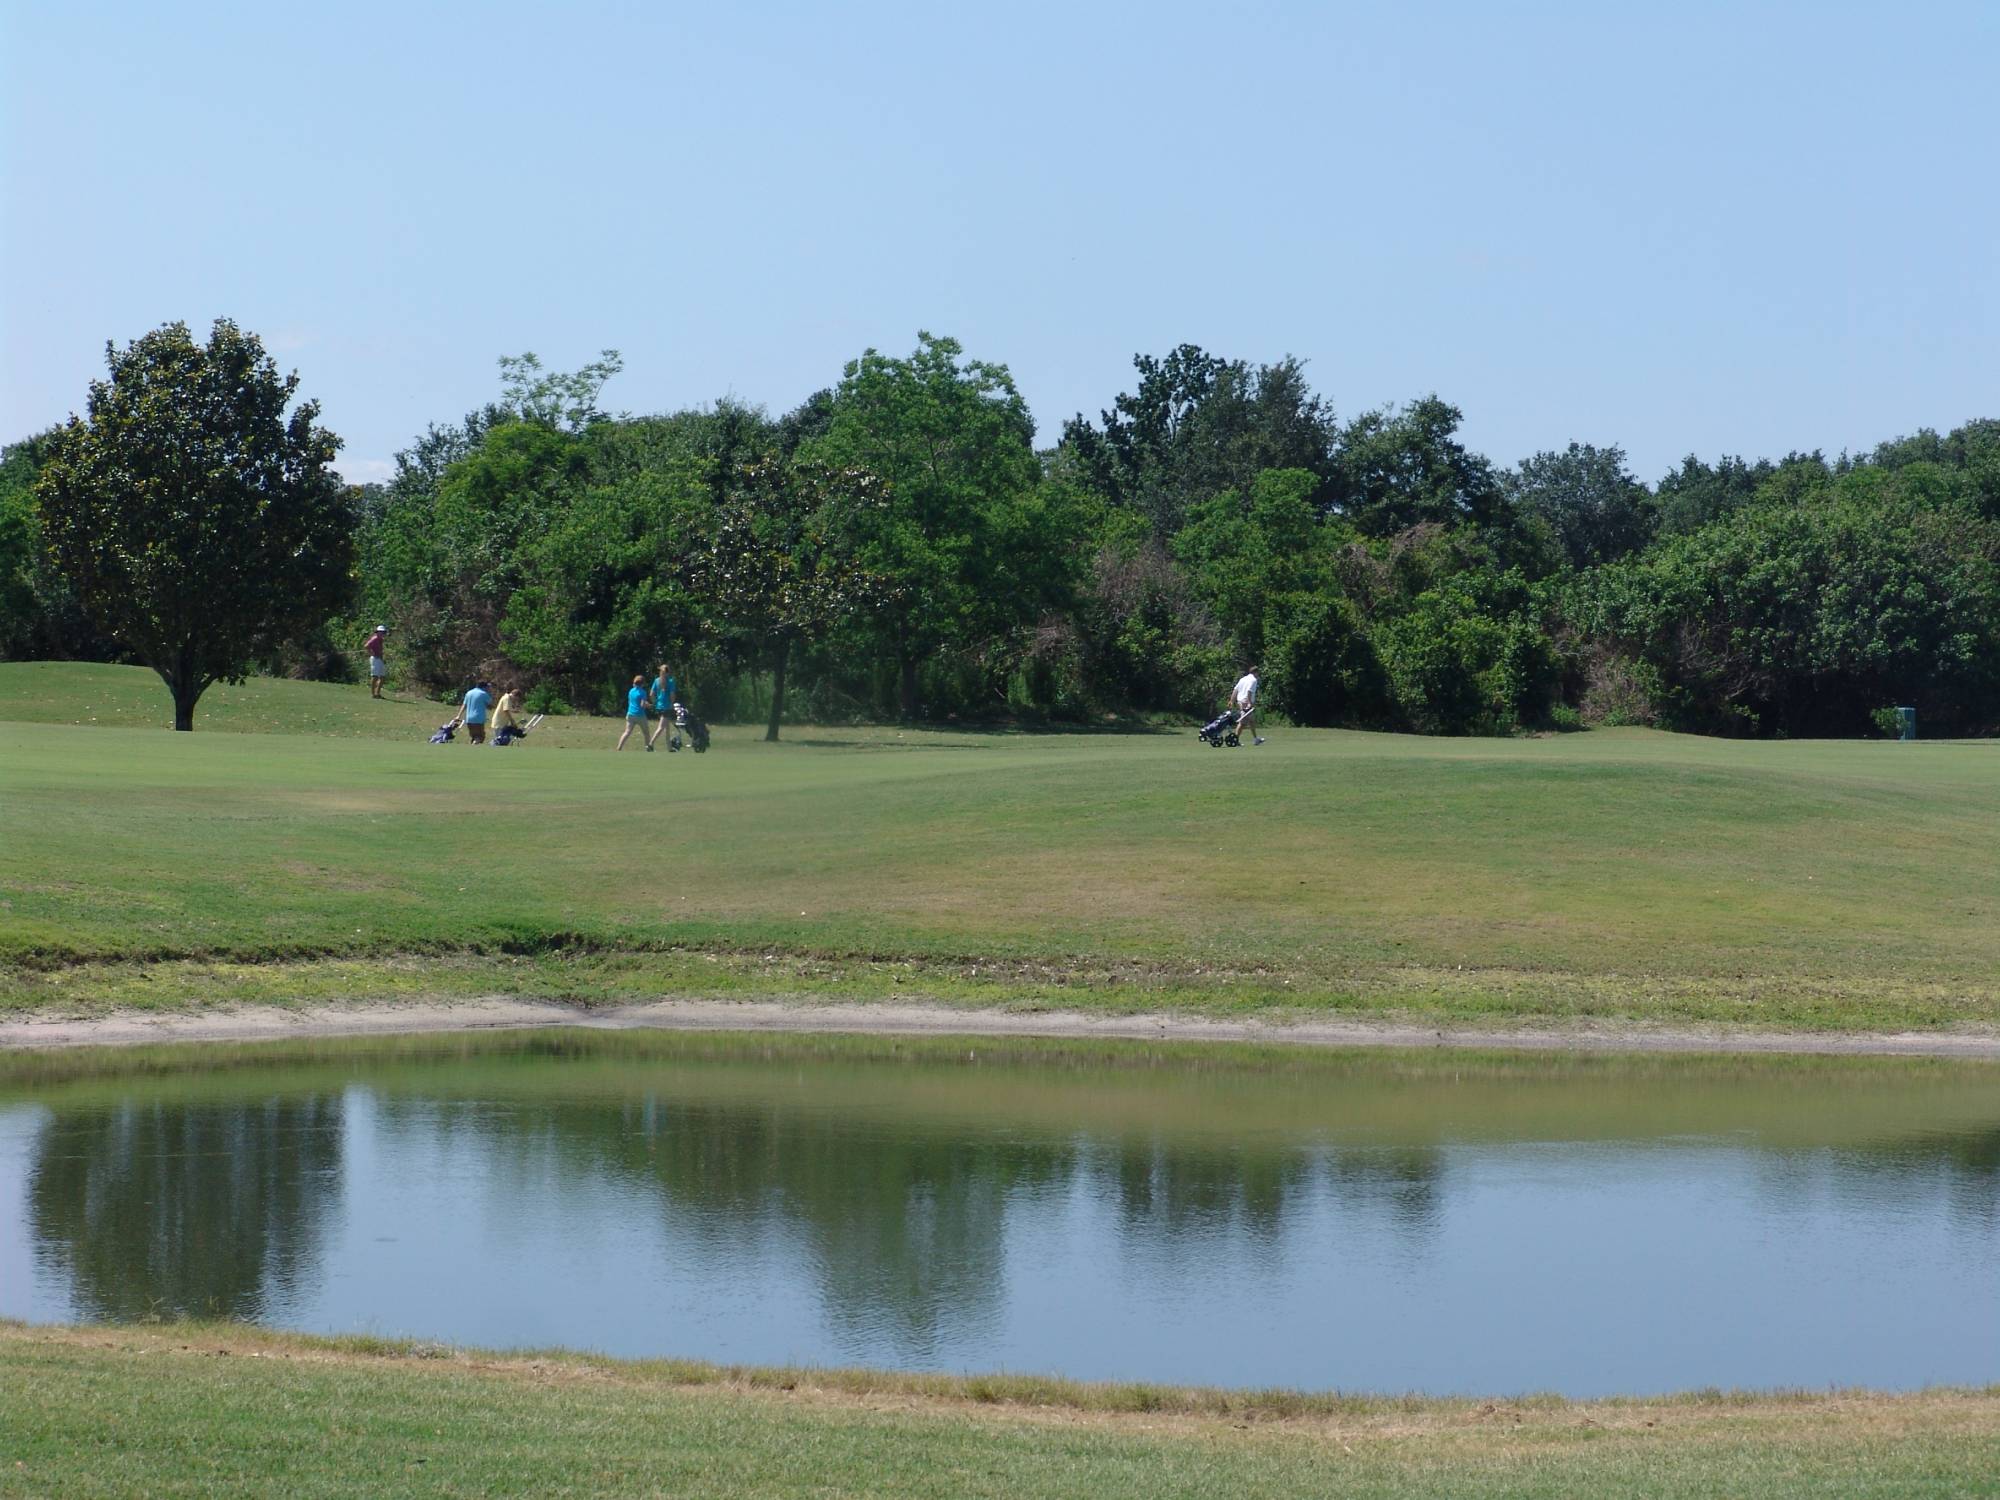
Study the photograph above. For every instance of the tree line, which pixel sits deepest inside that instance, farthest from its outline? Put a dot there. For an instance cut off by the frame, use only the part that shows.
(896, 546)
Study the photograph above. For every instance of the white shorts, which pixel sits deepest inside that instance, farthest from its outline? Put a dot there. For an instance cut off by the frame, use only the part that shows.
(377, 667)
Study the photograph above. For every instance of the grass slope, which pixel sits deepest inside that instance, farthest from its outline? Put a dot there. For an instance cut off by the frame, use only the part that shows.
(89, 694)
(1619, 874)
(219, 1411)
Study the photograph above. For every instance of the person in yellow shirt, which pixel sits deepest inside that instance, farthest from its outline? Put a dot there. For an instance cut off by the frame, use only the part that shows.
(505, 710)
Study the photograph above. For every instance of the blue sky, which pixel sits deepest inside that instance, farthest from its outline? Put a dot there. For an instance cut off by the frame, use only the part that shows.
(1740, 228)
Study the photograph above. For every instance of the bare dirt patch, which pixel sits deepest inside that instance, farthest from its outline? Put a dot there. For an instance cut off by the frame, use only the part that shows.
(892, 1018)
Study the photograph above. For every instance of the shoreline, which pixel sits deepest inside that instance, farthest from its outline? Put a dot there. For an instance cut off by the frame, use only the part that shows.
(993, 1393)
(254, 1023)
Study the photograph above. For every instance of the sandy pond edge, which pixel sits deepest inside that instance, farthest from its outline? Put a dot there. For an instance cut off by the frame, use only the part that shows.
(249, 1023)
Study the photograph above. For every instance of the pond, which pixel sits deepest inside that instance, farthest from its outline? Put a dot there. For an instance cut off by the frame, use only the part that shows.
(1430, 1222)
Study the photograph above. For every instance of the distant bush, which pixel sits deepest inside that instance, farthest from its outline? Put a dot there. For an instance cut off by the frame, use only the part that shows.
(1618, 692)
(1322, 666)
(1469, 657)
(1801, 614)
(544, 699)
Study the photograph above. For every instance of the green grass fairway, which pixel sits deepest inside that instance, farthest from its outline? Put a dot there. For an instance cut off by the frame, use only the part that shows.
(1618, 874)
(217, 1411)
(86, 694)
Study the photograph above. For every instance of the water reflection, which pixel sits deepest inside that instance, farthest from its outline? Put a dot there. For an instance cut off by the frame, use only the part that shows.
(1961, 1166)
(1383, 1232)
(165, 1210)
(903, 1229)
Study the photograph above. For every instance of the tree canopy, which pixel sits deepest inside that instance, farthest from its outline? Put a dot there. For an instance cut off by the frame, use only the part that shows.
(198, 520)
(895, 545)
(954, 543)
(1199, 425)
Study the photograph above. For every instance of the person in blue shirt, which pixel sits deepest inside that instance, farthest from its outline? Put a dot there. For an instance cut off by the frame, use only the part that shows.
(663, 705)
(635, 714)
(478, 702)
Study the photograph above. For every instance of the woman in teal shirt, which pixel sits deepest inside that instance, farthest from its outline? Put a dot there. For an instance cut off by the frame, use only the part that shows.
(635, 713)
(663, 705)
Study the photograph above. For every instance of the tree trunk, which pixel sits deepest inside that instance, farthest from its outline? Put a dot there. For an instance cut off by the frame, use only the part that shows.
(186, 687)
(909, 666)
(784, 654)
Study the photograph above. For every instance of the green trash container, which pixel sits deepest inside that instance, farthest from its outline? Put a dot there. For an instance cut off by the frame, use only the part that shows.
(1907, 717)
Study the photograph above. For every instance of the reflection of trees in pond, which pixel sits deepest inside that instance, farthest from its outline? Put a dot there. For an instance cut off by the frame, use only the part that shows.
(1405, 1184)
(1974, 1157)
(1168, 1193)
(1958, 1170)
(904, 1220)
(193, 1210)
(1963, 1164)
(1165, 1193)
(903, 1227)
(908, 1230)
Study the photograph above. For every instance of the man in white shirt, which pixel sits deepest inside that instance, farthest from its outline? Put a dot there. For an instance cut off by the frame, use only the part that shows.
(1243, 698)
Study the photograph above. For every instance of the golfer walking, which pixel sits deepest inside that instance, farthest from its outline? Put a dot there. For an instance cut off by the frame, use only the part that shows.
(635, 714)
(1243, 698)
(663, 691)
(378, 669)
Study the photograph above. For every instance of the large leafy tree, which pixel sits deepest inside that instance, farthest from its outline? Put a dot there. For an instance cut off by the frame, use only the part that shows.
(557, 398)
(20, 545)
(779, 568)
(959, 541)
(195, 511)
(1585, 495)
(604, 585)
(1242, 556)
(1973, 450)
(1399, 468)
(40, 618)
(447, 559)
(604, 591)
(1199, 425)
(1271, 572)
(1697, 493)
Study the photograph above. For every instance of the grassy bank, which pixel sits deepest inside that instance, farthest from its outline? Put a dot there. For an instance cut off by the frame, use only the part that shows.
(224, 1410)
(1619, 876)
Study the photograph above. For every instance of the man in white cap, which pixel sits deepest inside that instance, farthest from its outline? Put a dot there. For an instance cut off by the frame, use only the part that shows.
(1243, 698)
(378, 669)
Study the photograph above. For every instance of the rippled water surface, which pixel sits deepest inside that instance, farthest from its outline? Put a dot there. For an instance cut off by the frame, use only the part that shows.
(1381, 1222)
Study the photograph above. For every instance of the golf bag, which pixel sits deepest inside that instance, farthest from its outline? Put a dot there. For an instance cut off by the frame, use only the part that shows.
(686, 723)
(1221, 730)
(445, 733)
(506, 734)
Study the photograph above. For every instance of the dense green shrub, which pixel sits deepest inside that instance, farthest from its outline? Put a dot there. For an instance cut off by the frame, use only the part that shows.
(1137, 636)
(1321, 665)
(1470, 657)
(1803, 615)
